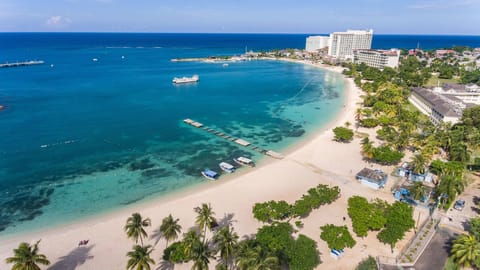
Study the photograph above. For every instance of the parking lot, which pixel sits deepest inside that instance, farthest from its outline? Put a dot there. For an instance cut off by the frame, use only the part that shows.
(459, 219)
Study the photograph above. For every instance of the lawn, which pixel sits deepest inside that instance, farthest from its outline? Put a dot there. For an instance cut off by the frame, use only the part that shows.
(434, 80)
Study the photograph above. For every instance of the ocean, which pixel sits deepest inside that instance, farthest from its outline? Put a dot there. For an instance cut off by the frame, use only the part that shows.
(82, 137)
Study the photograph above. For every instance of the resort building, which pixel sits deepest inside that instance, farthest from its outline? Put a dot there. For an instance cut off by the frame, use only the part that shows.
(315, 43)
(439, 108)
(469, 93)
(377, 58)
(342, 44)
(442, 53)
(375, 179)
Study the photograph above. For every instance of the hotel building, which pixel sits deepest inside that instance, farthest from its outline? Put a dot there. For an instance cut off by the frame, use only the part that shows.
(342, 44)
(315, 43)
(437, 107)
(377, 58)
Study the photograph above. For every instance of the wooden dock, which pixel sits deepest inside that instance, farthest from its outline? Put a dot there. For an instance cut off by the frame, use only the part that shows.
(233, 139)
(21, 64)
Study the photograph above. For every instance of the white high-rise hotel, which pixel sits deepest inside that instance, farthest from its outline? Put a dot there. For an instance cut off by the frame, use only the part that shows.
(342, 44)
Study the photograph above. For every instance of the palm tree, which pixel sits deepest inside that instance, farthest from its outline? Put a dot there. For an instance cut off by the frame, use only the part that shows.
(200, 255)
(26, 257)
(135, 227)
(226, 240)
(451, 185)
(367, 148)
(358, 116)
(170, 228)
(205, 218)
(139, 258)
(190, 239)
(419, 163)
(417, 190)
(250, 255)
(466, 251)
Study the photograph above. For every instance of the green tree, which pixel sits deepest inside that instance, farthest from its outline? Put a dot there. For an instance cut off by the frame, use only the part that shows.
(170, 229)
(139, 258)
(302, 254)
(190, 239)
(475, 228)
(135, 227)
(419, 164)
(337, 237)
(385, 155)
(399, 220)
(451, 185)
(27, 257)
(368, 263)
(366, 216)
(272, 211)
(276, 237)
(205, 218)
(367, 148)
(343, 134)
(226, 241)
(466, 251)
(176, 253)
(471, 116)
(200, 255)
(252, 255)
(417, 190)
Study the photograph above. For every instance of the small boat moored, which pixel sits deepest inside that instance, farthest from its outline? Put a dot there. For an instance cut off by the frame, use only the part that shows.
(192, 79)
(244, 161)
(227, 167)
(209, 174)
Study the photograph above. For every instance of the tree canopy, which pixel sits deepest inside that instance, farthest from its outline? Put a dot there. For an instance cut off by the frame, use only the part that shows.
(337, 237)
(343, 134)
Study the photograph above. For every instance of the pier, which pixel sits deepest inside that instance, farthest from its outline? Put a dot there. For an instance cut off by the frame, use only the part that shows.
(233, 139)
(21, 64)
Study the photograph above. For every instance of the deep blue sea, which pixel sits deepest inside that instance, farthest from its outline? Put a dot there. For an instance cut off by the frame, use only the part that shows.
(79, 137)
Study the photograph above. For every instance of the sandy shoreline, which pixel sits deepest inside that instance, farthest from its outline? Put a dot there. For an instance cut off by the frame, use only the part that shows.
(318, 160)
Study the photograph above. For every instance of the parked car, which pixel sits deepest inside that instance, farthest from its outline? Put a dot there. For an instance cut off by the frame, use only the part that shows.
(459, 205)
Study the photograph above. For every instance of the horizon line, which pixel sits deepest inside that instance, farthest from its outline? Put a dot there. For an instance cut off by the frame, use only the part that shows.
(218, 33)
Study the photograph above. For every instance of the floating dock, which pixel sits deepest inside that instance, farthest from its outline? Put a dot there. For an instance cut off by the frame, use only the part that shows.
(21, 64)
(233, 139)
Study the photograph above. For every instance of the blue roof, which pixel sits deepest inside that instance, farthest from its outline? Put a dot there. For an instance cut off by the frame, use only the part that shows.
(210, 173)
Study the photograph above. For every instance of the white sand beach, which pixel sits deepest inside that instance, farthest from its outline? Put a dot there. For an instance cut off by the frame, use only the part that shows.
(319, 160)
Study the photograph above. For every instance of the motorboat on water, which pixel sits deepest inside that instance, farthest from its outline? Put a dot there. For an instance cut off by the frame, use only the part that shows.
(209, 174)
(244, 161)
(194, 78)
(227, 167)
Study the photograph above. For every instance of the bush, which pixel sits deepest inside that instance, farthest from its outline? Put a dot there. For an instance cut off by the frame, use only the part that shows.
(315, 197)
(337, 237)
(302, 254)
(369, 122)
(366, 216)
(175, 253)
(343, 134)
(385, 155)
(367, 264)
(272, 211)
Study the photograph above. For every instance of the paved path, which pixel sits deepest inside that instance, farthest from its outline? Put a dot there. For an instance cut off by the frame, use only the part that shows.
(437, 251)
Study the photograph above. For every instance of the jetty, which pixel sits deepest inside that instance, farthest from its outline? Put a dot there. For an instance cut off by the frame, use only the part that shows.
(233, 139)
(21, 64)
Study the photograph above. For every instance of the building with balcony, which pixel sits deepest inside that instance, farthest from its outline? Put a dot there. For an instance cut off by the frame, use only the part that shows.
(377, 58)
(342, 44)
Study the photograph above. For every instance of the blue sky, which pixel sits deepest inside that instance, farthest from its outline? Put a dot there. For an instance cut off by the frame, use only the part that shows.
(242, 16)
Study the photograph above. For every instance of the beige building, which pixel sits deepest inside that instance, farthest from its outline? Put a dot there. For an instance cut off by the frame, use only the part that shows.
(437, 107)
(377, 58)
(342, 44)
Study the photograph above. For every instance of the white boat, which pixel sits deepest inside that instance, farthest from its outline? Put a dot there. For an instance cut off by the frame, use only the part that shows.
(227, 167)
(95, 59)
(192, 79)
(225, 65)
(244, 161)
(209, 174)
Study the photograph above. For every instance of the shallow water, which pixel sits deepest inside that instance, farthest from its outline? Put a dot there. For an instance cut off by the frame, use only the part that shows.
(83, 137)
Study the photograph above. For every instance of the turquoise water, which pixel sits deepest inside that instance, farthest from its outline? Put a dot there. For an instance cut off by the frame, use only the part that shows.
(83, 137)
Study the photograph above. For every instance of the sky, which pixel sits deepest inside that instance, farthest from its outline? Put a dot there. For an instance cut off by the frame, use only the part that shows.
(459, 17)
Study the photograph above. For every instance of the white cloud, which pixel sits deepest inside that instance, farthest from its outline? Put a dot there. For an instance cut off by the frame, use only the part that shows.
(58, 21)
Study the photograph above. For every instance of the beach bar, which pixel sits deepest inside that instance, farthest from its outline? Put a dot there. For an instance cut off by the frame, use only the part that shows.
(375, 179)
